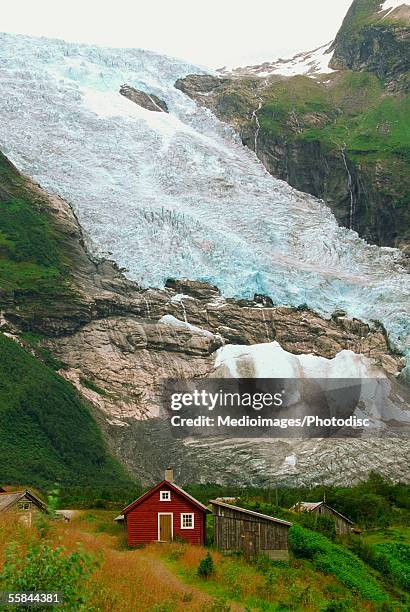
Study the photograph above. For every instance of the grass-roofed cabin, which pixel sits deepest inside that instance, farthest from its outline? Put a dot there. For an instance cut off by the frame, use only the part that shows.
(22, 503)
(239, 530)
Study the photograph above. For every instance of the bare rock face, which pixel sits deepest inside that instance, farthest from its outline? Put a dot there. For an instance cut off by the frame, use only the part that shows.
(117, 342)
(147, 101)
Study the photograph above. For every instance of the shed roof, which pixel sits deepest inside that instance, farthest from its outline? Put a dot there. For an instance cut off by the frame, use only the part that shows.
(157, 487)
(215, 502)
(8, 499)
(310, 506)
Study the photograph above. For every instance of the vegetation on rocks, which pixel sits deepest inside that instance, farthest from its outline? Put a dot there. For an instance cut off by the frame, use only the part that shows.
(32, 261)
(343, 135)
(47, 431)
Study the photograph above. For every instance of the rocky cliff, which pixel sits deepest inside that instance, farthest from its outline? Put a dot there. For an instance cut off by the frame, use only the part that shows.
(376, 39)
(339, 133)
(115, 342)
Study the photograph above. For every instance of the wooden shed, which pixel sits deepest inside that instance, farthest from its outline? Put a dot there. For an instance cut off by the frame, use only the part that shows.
(23, 503)
(240, 530)
(343, 525)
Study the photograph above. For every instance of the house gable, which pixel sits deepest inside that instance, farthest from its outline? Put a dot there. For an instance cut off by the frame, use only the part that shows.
(162, 487)
(23, 501)
(165, 509)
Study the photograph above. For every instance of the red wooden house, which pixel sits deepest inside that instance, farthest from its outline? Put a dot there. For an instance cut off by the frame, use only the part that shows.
(164, 513)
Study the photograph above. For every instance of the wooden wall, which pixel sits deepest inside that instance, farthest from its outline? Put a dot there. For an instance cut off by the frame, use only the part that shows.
(342, 526)
(142, 521)
(238, 531)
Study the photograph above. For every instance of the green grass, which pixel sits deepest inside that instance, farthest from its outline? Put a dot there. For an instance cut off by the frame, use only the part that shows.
(33, 264)
(30, 259)
(336, 560)
(47, 432)
(388, 552)
(352, 113)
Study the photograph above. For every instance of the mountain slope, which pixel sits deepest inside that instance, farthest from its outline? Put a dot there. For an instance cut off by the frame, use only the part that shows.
(339, 134)
(47, 432)
(115, 342)
(169, 195)
(375, 37)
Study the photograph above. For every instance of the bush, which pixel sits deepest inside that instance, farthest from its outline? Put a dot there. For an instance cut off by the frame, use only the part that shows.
(43, 568)
(334, 559)
(391, 559)
(206, 566)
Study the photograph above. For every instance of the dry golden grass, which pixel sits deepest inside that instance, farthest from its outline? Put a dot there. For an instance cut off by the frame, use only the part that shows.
(129, 580)
(163, 577)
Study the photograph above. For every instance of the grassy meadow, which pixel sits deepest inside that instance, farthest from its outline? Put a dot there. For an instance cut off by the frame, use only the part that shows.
(88, 559)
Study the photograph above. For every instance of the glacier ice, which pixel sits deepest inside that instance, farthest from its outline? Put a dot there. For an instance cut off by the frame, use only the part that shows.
(177, 195)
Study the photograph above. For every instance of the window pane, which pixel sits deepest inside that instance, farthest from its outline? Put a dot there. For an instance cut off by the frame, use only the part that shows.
(187, 520)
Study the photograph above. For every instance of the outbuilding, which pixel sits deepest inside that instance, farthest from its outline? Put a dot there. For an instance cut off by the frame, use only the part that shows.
(240, 530)
(343, 525)
(24, 504)
(164, 513)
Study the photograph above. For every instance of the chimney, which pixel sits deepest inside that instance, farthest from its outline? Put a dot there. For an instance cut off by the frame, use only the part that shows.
(169, 474)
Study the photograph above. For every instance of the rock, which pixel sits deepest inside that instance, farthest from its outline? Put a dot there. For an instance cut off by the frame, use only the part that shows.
(195, 289)
(373, 40)
(367, 190)
(263, 299)
(148, 101)
(118, 342)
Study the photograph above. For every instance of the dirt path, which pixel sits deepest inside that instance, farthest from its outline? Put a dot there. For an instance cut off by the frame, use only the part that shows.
(163, 572)
(138, 580)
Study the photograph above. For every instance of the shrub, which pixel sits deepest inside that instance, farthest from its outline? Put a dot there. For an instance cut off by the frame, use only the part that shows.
(206, 566)
(43, 568)
(334, 559)
(392, 559)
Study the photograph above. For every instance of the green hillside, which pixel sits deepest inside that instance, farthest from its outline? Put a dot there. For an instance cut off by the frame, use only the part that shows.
(47, 432)
(31, 258)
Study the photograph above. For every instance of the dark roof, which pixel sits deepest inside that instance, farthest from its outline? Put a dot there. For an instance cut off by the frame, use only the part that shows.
(2, 490)
(215, 502)
(310, 506)
(157, 487)
(8, 499)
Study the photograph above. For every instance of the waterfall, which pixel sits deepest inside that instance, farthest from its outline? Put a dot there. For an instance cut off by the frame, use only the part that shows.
(258, 127)
(350, 187)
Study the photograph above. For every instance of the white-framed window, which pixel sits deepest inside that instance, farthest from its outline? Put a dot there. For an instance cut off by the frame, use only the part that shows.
(165, 496)
(187, 520)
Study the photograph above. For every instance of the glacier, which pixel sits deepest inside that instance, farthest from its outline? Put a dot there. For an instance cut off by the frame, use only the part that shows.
(177, 195)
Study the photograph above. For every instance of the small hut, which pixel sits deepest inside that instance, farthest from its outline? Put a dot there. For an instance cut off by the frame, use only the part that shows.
(343, 525)
(240, 530)
(23, 503)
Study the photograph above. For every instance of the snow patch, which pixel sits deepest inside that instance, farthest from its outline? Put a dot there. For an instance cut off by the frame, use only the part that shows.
(180, 297)
(378, 400)
(310, 63)
(183, 325)
(270, 360)
(392, 4)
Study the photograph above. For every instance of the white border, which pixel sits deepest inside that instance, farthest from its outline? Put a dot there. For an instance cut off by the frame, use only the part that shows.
(171, 514)
(165, 491)
(193, 520)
